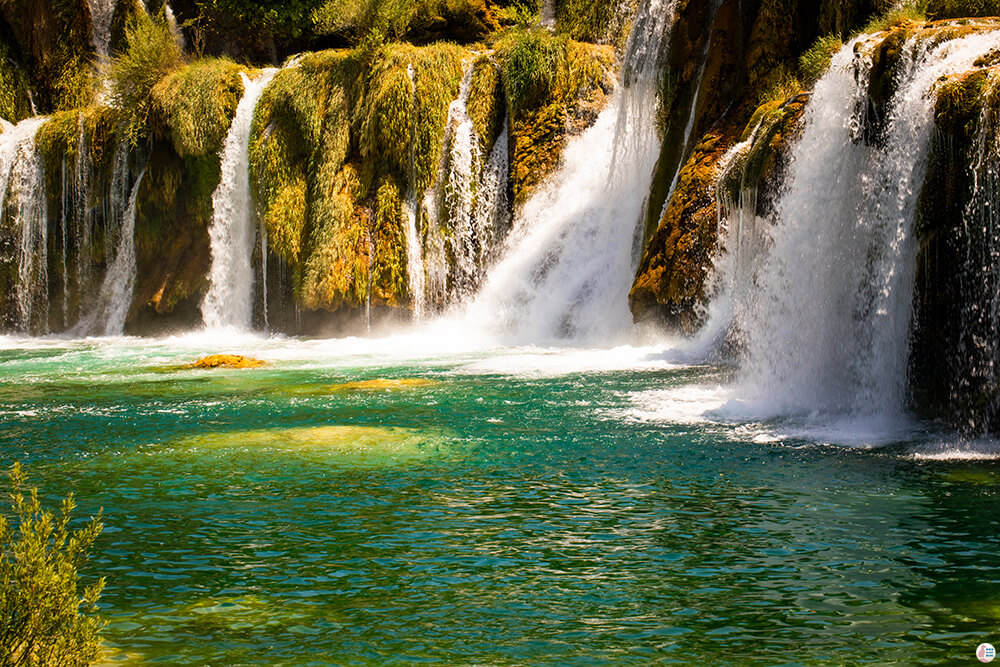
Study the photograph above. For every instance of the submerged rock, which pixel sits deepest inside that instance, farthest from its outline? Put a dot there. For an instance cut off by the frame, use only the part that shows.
(228, 361)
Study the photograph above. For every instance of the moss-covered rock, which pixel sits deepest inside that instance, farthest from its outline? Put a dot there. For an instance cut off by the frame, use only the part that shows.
(554, 89)
(195, 105)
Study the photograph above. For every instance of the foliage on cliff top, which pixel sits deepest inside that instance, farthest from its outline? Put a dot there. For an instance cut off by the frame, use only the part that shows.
(195, 105)
(601, 21)
(45, 619)
(947, 9)
(152, 53)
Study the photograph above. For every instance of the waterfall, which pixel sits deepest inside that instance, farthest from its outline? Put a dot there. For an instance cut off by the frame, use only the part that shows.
(568, 262)
(23, 202)
(693, 113)
(828, 329)
(229, 302)
(175, 28)
(101, 14)
(109, 310)
(414, 247)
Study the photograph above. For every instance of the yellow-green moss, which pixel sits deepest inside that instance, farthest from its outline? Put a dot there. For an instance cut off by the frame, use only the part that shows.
(15, 102)
(486, 101)
(195, 105)
(336, 273)
(151, 55)
(602, 21)
(389, 283)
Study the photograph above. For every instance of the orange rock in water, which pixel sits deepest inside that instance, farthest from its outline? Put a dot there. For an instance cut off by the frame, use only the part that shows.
(228, 361)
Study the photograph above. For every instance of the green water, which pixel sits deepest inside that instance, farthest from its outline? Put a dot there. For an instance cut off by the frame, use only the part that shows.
(515, 507)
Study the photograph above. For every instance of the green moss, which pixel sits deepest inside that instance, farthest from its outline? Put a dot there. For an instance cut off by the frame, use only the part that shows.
(563, 101)
(780, 84)
(529, 58)
(389, 282)
(486, 101)
(15, 100)
(336, 273)
(959, 103)
(195, 105)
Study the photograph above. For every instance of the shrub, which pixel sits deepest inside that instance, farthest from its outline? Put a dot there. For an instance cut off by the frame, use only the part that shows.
(529, 59)
(44, 619)
(151, 54)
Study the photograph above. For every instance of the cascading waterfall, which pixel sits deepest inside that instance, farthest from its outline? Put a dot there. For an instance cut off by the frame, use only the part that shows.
(569, 263)
(828, 329)
(414, 247)
(693, 113)
(22, 200)
(109, 310)
(229, 302)
(101, 14)
(175, 28)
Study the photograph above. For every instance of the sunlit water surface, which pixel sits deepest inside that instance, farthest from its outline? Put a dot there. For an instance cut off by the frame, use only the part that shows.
(407, 501)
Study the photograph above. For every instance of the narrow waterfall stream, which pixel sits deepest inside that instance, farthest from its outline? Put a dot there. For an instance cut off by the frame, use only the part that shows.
(229, 302)
(101, 14)
(568, 261)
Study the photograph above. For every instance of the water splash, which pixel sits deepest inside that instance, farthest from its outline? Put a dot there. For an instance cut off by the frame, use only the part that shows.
(828, 331)
(229, 302)
(569, 260)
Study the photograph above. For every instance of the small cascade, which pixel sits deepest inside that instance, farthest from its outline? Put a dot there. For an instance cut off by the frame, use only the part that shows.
(23, 203)
(175, 28)
(464, 212)
(109, 311)
(693, 113)
(229, 302)
(414, 246)
(568, 262)
(828, 329)
(974, 334)
(102, 13)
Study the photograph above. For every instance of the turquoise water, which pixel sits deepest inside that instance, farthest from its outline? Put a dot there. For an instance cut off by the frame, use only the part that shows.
(501, 507)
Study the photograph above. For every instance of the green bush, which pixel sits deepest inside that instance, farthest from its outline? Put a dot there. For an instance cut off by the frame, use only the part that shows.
(529, 59)
(44, 618)
(151, 54)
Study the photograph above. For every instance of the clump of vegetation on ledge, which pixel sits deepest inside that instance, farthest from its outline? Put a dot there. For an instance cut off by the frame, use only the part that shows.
(195, 105)
(152, 53)
(45, 619)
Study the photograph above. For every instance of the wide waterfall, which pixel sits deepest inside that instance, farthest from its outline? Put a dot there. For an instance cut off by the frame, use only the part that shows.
(569, 259)
(229, 302)
(828, 325)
